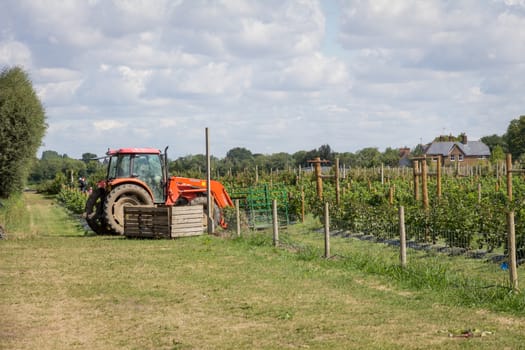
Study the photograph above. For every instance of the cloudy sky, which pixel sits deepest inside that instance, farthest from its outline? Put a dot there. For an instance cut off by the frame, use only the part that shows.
(268, 75)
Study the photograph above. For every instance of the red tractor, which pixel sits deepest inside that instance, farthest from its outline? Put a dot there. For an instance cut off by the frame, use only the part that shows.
(139, 176)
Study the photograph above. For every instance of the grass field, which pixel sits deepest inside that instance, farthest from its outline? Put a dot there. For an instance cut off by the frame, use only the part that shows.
(65, 289)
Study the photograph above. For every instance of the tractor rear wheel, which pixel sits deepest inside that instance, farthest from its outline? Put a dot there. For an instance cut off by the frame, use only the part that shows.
(120, 197)
(95, 212)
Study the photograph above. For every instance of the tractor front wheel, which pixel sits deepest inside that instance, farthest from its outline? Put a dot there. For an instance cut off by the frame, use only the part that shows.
(120, 197)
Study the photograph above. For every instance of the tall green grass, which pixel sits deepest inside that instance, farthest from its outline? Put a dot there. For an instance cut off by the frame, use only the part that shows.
(14, 216)
(455, 281)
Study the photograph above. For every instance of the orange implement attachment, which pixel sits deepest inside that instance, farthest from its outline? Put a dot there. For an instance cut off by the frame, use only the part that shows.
(190, 188)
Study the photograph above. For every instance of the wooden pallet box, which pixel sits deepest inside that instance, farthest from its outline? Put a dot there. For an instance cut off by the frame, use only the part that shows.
(187, 221)
(163, 222)
(147, 222)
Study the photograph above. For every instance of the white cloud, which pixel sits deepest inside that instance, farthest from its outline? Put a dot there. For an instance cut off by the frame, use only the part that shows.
(267, 75)
(13, 52)
(105, 125)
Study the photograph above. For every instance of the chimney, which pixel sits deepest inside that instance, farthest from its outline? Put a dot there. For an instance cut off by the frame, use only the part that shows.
(464, 138)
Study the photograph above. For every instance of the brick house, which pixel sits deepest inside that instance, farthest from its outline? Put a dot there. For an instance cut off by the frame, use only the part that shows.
(464, 152)
(404, 157)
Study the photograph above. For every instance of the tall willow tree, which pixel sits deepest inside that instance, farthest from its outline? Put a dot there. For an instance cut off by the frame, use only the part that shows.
(515, 137)
(22, 127)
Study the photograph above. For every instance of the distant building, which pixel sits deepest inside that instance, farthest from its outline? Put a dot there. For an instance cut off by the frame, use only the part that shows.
(452, 152)
(404, 157)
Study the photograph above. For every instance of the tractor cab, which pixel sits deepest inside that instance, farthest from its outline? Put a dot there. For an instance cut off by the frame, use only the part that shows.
(138, 165)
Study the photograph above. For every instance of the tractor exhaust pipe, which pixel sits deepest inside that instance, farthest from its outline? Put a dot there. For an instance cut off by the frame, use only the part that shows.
(166, 181)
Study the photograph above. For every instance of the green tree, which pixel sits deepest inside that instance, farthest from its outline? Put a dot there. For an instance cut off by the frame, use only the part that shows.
(418, 151)
(497, 154)
(325, 152)
(239, 158)
(87, 157)
(22, 127)
(390, 157)
(494, 140)
(300, 158)
(515, 137)
(281, 161)
(51, 164)
(190, 165)
(368, 157)
(347, 159)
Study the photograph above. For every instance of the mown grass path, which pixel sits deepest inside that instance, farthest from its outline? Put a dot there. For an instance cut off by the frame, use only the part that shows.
(63, 289)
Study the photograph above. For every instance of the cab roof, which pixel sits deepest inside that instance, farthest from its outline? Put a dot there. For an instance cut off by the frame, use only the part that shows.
(132, 150)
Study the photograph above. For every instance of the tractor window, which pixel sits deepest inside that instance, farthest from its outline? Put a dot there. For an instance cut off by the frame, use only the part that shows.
(147, 167)
(119, 166)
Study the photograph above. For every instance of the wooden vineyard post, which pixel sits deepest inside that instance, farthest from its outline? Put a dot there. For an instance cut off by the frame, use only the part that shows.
(318, 175)
(424, 183)
(275, 224)
(337, 188)
(238, 217)
(509, 176)
(302, 204)
(318, 178)
(511, 232)
(402, 237)
(391, 194)
(438, 176)
(209, 201)
(326, 231)
(513, 272)
(415, 165)
(424, 189)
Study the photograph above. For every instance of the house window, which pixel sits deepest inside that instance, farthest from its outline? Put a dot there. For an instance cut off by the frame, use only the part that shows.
(452, 158)
(460, 157)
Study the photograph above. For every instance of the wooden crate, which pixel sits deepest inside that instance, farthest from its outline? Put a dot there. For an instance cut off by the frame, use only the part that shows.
(163, 222)
(187, 221)
(147, 222)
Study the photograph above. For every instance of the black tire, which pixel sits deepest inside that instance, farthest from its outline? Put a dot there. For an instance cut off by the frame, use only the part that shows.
(216, 212)
(95, 212)
(118, 198)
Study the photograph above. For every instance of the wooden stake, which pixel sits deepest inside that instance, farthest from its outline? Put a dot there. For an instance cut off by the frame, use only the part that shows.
(511, 234)
(275, 224)
(326, 231)
(424, 183)
(513, 270)
(238, 217)
(382, 174)
(402, 237)
(337, 188)
(209, 202)
(415, 165)
(509, 176)
(302, 204)
(438, 175)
